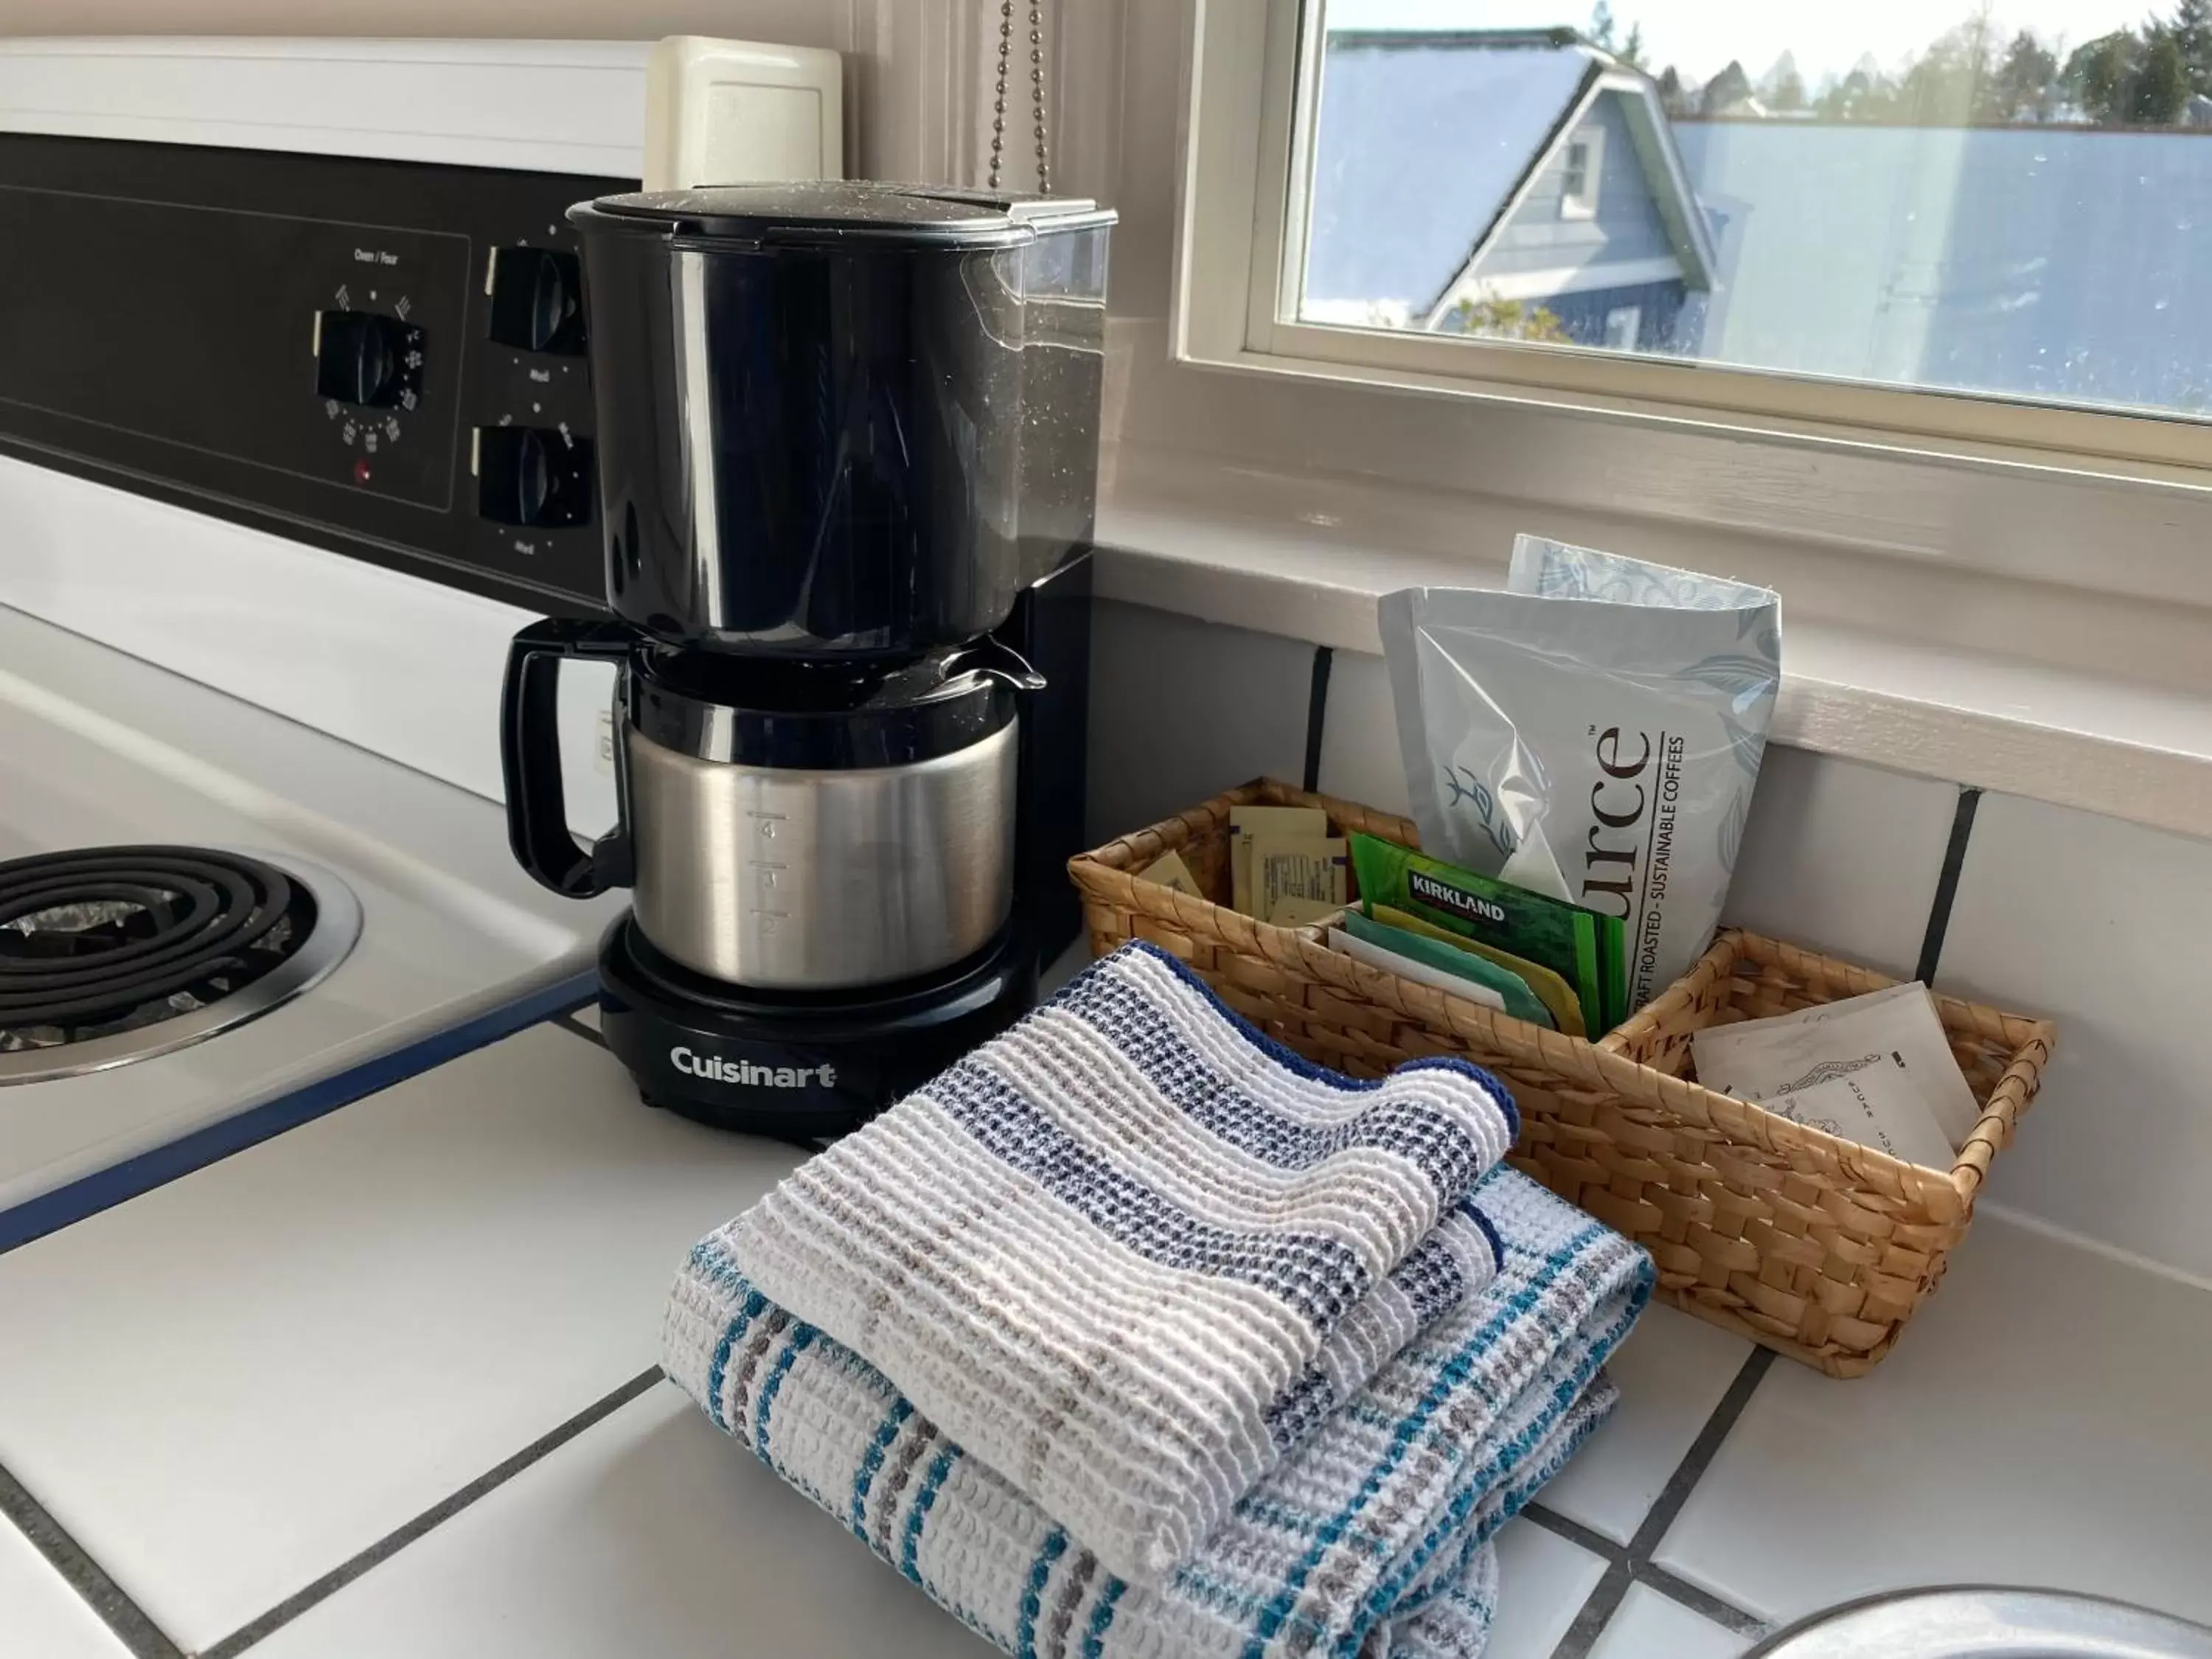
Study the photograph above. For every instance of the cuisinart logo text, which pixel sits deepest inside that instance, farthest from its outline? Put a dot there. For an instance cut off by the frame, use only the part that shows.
(1473, 906)
(715, 1069)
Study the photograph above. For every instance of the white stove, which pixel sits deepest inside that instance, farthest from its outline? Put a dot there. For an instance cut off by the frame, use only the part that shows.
(455, 946)
(253, 614)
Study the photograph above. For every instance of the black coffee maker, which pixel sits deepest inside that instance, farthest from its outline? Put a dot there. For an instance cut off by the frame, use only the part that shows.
(847, 448)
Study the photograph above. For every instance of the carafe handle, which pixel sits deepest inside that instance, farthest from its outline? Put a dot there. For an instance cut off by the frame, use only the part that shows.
(530, 757)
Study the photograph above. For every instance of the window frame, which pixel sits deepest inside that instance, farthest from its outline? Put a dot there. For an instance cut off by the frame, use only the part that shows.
(1248, 167)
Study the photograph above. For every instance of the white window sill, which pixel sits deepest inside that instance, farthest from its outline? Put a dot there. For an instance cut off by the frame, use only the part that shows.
(2107, 745)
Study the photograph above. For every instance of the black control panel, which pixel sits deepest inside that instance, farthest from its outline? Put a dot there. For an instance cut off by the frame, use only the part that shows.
(385, 358)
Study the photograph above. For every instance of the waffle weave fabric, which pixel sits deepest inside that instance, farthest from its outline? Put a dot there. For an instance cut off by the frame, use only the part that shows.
(1371, 1538)
(1109, 1253)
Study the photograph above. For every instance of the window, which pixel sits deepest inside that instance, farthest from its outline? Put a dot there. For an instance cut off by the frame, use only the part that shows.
(1814, 213)
(1578, 175)
(1575, 184)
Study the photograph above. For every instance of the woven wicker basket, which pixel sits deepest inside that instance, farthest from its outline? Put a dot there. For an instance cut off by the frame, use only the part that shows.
(1816, 1247)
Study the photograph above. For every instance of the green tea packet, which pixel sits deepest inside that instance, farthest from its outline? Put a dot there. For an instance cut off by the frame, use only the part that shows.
(1513, 991)
(1585, 948)
(1554, 993)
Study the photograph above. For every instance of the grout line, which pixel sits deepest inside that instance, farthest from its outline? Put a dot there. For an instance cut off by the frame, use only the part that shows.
(1946, 885)
(569, 1023)
(1575, 1532)
(1691, 1468)
(1596, 1612)
(1317, 716)
(1634, 1564)
(83, 1575)
(338, 1577)
(1702, 1602)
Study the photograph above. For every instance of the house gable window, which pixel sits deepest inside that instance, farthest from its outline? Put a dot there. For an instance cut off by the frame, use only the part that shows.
(1578, 173)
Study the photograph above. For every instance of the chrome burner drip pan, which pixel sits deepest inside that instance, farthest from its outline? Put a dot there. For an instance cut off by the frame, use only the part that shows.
(114, 954)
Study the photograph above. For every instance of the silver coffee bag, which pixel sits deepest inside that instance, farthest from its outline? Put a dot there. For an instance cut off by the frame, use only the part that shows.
(1592, 733)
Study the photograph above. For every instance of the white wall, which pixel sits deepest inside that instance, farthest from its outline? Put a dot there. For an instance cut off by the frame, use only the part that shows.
(912, 74)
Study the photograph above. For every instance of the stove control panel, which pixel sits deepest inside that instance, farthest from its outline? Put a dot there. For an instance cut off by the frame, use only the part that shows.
(388, 359)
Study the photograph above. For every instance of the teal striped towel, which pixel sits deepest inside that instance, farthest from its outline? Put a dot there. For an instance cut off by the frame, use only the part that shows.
(1371, 1538)
(1128, 1252)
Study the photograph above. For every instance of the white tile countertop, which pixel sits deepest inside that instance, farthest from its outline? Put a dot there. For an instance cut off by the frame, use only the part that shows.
(1543, 1581)
(385, 1386)
(1674, 1372)
(244, 1379)
(651, 1533)
(41, 1615)
(1650, 1626)
(2043, 1422)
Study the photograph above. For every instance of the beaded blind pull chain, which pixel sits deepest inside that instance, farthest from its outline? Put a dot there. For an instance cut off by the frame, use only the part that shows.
(1037, 94)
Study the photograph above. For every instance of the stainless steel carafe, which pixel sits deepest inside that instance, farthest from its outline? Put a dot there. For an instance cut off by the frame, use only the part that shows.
(800, 878)
(784, 828)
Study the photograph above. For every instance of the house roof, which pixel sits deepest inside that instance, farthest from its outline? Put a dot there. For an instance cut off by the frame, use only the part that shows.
(2050, 262)
(1423, 139)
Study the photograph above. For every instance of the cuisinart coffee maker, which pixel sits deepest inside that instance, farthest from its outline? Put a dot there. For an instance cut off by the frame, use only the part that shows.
(848, 450)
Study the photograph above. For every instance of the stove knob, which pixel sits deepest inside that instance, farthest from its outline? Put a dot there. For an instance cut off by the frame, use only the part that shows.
(537, 301)
(364, 358)
(529, 476)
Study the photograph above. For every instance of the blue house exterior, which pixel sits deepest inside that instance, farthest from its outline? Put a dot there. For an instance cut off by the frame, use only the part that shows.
(1473, 181)
(1465, 177)
(2068, 264)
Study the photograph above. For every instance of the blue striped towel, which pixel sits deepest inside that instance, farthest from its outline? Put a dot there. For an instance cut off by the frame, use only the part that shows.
(1128, 1252)
(1371, 1538)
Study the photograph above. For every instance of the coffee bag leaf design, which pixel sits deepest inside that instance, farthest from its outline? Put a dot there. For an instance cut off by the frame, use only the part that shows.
(1732, 826)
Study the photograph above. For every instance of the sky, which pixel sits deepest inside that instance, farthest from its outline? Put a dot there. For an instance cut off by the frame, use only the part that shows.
(1699, 37)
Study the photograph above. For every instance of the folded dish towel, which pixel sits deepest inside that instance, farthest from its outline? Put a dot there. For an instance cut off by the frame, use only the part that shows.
(1454, 1262)
(1370, 1539)
(1105, 1252)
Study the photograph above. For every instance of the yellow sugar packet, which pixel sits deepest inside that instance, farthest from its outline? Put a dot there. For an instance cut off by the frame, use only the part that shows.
(1169, 871)
(1246, 822)
(1286, 867)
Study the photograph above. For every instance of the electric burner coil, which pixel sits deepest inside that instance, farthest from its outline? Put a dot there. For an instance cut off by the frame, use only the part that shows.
(113, 954)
